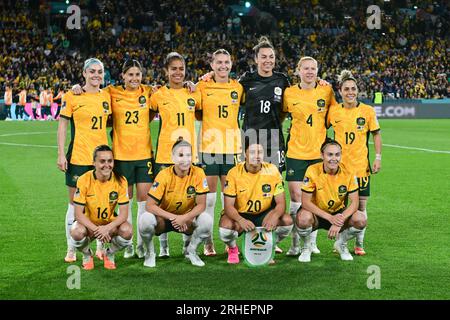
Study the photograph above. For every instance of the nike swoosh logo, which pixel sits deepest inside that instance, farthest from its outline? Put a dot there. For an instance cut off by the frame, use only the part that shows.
(209, 94)
(337, 121)
(296, 103)
(242, 190)
(319, 189)
(164, 103)
(169, 191)
(90, 195)
(251, 89)
(117, 100)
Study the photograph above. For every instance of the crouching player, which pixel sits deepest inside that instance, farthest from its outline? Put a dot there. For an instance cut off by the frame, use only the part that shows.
(96, 198)
(254, 197)
(177, 201)
(327, 187)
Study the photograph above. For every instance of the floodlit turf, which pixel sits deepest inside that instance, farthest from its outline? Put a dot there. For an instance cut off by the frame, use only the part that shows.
(408, 236)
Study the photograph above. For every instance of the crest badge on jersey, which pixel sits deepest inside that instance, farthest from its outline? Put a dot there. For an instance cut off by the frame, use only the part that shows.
(113, 196)
(320, 105)
(190, 191)
(142, 101)
(342, 189)
(360, 123)
(105, 107)
(266, 188)
(234, 96)
(191, 104)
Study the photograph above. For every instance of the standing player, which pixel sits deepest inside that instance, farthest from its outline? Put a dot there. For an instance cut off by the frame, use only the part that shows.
(87, 114)
(8, 101)
(99, 192)
(176, 203)
(352, 122)
(254, 197)
(132, 145)
(220, 145)
(308, 103)
(263, 103)
(327, 186)
(176, 106)
(20, 107)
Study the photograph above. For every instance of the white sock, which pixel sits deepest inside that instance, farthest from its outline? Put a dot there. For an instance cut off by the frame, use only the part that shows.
(186, 240)
(314, 237)
(163, 240)
(349, 234)
(360, 236)
(147, 224)
(211, 198)
(130, 219)
(79, 245)
(305, 235)
(141, 210)
(70, 217)
(293, 208)
(118, 243)
(202, 231)
(282, 232)
(99, 245)
(228, 236)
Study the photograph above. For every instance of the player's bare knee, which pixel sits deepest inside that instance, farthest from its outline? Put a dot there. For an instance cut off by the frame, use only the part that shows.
(285, 220)
(78, 233)
(126, 231)
(304, 219)
(225, 222)
(358, 222)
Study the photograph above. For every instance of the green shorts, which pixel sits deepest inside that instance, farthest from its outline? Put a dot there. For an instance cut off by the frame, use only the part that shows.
(168, 227)
(74, 172)
(138, 171)
(364, 186)
(160, 166)
(296, 169)
(218, 164)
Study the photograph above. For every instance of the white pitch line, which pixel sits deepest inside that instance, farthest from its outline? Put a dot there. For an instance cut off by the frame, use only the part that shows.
(414, 148)
(26, 145)
(23, 133)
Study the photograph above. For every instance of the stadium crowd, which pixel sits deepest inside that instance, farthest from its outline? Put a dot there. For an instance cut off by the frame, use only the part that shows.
(407, 58)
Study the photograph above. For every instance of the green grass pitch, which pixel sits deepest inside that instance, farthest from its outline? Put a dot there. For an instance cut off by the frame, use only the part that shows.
(408, 234)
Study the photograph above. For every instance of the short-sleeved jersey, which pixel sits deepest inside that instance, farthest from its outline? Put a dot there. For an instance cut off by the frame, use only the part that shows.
(100, 199)
(176, 194)
(352, 127)
(220, 123)
(254, 192)
(329, 191)
(8, 97)
(131, 123)
(22, 98)
(88, 114)
(263, 102)
(176, 108)
(308, 109)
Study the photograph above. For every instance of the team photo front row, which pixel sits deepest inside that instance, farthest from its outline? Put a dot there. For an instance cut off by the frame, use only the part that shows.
(254, 196)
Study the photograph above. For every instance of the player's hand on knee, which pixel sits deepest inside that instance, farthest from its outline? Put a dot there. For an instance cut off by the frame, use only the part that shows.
(246, 225)
(270, 222)
(337, 220)
(333, 231)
